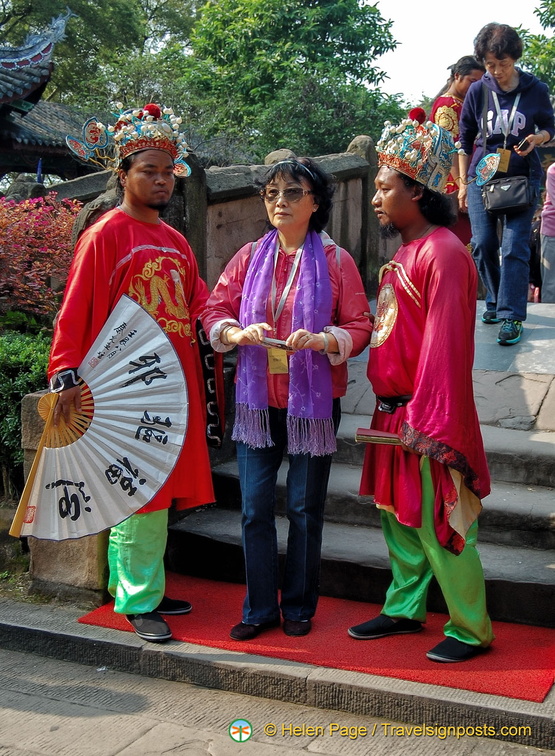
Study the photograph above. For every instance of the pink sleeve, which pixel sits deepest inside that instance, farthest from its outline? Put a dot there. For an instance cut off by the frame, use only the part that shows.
(550, 184)
(351, 304)
(225, 300)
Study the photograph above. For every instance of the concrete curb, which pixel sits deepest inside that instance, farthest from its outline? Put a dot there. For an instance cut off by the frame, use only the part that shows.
(53, 631)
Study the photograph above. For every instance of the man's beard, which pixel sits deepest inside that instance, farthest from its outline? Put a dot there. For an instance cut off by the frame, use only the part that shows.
(389, 231)
(160, 206)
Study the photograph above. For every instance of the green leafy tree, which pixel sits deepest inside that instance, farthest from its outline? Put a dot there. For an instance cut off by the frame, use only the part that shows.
(259, 43)
(97, 28)
(23, 360)
(276, 70)
(317, 117)
(246, 75)
(539, 49)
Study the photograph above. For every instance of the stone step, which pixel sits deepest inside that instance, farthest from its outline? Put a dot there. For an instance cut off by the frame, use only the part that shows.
(514, 456)
(355, 565)
(513, 514)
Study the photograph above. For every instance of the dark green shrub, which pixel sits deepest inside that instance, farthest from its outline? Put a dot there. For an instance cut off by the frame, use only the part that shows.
(23, 363)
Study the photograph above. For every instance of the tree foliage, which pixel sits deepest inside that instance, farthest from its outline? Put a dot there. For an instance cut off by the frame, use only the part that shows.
(246, 75)
(258, 44)
(104, 40)
(24, 359)
(290, 73)
(314, 117)
(539, 49)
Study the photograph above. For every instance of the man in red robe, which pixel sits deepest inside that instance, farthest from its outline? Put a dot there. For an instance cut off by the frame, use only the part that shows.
(422, 349)
(132, 251)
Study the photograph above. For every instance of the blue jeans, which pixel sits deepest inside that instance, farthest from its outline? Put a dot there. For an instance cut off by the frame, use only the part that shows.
(506, 282)
(307, 484)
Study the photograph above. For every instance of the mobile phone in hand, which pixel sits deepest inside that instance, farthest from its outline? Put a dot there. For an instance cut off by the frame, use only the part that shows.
(278, 343)
(523, 145)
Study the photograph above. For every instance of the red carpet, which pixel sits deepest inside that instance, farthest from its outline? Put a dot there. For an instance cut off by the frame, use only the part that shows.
(520, 664)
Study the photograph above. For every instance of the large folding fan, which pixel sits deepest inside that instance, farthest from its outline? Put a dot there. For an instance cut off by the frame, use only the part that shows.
(110, 459)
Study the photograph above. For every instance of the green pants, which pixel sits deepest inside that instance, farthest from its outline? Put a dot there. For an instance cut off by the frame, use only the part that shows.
(416, 555)
(136, 560)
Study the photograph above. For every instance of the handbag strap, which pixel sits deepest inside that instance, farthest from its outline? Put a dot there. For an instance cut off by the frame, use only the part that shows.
(484, 117)
(484, 122)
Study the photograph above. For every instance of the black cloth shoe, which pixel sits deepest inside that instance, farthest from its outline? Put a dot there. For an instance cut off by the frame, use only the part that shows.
(453, 650)
(150, 627)
(173, 606)
(489, 317)
(243, 631)
(382, 626)
(296, 628)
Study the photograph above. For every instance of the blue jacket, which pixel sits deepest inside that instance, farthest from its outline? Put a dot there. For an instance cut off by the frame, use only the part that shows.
(534, 112)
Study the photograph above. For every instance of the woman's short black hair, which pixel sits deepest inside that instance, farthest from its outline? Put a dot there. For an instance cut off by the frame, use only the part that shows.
(435, 207)
(499, 40)
(321, 184)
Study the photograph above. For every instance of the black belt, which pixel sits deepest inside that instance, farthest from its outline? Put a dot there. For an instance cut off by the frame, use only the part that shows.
(390, 403)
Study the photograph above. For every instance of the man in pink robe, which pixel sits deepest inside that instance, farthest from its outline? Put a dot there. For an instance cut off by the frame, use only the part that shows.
(422, 349)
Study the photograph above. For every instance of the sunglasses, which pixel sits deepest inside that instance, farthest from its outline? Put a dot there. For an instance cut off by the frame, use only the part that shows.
(292, 194)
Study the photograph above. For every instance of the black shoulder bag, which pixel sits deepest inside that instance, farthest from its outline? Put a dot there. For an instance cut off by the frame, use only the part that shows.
(508, 195)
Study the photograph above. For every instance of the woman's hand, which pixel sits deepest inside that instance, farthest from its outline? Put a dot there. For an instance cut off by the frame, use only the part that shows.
(534, 140)
(463, 198)
(319, 342)
(252, 334)
(303, 339)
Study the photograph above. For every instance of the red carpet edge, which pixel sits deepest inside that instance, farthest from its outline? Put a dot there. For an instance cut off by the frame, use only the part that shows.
(520, 663)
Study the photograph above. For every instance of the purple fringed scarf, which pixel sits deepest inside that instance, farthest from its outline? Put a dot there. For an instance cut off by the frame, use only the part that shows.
(309, 423)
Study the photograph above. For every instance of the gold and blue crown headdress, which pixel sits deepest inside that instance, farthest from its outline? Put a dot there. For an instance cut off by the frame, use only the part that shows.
(421, 151)
(147, 128)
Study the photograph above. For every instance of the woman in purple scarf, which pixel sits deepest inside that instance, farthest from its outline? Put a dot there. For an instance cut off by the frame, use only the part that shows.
(294, 304)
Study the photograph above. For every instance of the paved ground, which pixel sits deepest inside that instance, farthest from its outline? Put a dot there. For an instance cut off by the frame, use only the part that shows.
(55, 708)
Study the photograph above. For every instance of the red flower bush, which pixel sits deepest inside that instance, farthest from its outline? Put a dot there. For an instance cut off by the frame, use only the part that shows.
(35, 253)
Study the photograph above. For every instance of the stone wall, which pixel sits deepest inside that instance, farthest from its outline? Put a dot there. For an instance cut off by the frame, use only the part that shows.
(219, 210)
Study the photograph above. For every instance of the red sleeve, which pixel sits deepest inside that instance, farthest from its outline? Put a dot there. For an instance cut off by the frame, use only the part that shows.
(87, 302)
(442, 392)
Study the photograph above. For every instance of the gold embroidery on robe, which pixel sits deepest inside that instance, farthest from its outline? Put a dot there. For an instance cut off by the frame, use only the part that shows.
(159, 289)
(386, 314)
(448, 119)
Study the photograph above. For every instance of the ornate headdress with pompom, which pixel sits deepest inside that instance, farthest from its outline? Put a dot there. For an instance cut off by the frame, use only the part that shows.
(147, 128)
(422, 151)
